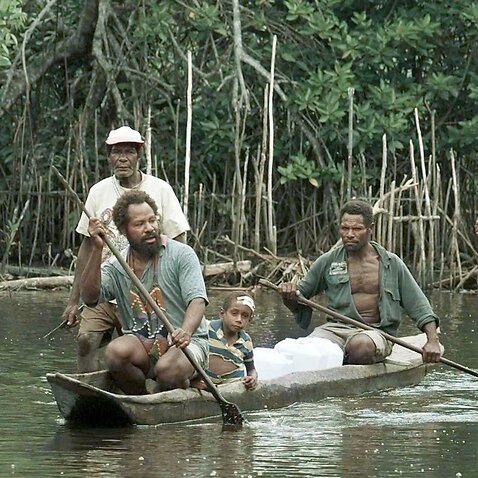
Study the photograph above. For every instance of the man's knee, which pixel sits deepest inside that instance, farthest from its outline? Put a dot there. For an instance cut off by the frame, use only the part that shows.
(171, 374)
(116, 355)
(89, 342)
(360, 350)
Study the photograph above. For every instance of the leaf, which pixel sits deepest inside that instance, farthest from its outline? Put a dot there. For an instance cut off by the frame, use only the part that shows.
(314, 182)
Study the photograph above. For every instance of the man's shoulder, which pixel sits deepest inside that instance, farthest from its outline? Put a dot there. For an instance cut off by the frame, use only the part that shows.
(112, 265)
(181, 255)
(331, 255)
(106, 183)
(176, 247)
(386, 254)
(150, 180)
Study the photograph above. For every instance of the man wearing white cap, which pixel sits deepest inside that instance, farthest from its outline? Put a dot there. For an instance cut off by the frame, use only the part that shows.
(123, 147)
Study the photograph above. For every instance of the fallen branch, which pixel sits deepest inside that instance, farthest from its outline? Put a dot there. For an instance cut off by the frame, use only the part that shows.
(37, 283)
(226, 268)
(450, 281)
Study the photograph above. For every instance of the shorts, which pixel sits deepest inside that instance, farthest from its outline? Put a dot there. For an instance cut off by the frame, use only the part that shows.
(340, 334)
(103, 318)
(155, 348)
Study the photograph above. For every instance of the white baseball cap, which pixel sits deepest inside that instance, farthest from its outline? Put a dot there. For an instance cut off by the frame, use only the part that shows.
(124, 135)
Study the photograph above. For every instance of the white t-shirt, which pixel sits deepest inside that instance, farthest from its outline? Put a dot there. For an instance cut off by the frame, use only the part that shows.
(104, 194)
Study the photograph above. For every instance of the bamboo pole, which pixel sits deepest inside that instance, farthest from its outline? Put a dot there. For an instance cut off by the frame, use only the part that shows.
(399, 229)
(243, 222)
(444, 229)
(188, 134)
(237, 186)
(97, 156)
(37, 221)
(428, 212)
(363, 168)
(380, 221)
(270, 212)
(438, 241)
(420, 233)
(176, 142)
(350, 92)
(390, 217)
(456, 213)
(147, 149)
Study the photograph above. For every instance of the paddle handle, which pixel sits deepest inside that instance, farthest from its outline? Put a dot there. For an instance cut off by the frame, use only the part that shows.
(342, 318)
(58, 327)
(144, 293)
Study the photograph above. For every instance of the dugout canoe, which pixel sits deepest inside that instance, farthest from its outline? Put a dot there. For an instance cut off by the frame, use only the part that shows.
(92, 399)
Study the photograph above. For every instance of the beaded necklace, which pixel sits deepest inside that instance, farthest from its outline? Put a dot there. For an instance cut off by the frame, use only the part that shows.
(152, 323)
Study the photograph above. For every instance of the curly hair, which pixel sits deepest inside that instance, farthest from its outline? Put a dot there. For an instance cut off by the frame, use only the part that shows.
(358, 207)
(120, 209)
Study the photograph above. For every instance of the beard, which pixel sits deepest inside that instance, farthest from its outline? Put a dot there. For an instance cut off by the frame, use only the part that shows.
(144, 248)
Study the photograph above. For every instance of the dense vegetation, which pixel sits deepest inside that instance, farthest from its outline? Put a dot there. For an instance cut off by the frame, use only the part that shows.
(72, 70)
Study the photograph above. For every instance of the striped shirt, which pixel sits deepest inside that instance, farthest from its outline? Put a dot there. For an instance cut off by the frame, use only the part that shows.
(239, 353)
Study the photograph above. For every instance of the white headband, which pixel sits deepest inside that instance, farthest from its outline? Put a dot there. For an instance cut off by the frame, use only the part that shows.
(246, 300)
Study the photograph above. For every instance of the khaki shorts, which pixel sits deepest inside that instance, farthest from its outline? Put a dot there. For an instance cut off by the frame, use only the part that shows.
(155, 349)
(100, 319)
(201, 356)
(340, 334)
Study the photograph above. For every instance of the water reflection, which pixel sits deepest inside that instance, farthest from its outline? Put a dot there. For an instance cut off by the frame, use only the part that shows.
(428, 430)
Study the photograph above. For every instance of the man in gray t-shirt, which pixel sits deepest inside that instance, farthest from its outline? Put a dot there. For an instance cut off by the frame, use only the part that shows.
(171, 272)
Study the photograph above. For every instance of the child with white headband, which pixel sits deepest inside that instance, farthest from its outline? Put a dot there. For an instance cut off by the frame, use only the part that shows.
(230, 346)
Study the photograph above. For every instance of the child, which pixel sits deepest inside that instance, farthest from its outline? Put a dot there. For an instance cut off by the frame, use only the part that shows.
(230, 347)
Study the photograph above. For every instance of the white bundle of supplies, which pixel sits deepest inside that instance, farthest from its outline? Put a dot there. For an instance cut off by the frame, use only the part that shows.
(296, 355)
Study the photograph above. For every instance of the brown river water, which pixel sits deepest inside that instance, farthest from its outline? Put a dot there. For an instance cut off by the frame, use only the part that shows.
(428, 430)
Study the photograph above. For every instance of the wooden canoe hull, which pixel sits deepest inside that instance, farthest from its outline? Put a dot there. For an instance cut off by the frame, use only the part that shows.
(90, 398)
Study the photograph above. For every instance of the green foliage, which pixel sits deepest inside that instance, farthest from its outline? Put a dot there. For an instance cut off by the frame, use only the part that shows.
(301, 168)
(397, 56)
(12, 18)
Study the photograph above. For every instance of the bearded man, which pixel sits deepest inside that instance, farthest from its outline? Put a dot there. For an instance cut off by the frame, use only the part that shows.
(171, 272)
(97, 324)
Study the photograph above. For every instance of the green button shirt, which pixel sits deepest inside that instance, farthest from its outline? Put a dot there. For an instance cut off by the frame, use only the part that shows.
(398, 290)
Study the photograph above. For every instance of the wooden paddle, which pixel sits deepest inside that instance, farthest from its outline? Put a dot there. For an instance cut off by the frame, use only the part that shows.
(342, 318)
(231, 414)
(62, 324)
(58, 327)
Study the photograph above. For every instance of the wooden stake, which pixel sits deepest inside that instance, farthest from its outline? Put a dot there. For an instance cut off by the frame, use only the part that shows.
(270, 211)
(350, 142)
(187, 161)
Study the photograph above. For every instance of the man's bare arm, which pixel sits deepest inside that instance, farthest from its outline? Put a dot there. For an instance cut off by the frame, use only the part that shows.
(289, 294)
(90, 282)
(181, 337)
(71, 309)
(432, 349)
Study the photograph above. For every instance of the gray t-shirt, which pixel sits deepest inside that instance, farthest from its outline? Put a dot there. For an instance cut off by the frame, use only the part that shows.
(174, 280)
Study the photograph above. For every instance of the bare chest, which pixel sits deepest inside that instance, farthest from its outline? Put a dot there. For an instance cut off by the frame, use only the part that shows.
(364, 275)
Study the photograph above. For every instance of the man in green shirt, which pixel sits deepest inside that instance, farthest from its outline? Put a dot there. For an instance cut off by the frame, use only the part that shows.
(171, 272)
(365, 282)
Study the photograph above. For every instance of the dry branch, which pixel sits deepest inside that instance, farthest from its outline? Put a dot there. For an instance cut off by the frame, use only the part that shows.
(37, 283)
